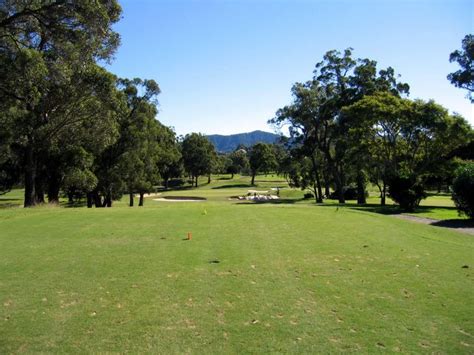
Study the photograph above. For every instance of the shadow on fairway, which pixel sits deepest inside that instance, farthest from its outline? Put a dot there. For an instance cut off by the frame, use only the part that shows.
(230, 186)
(10, 203)
(454, 223)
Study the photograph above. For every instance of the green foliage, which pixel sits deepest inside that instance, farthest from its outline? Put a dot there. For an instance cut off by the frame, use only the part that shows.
(49, 77)
(317, 126)
(463, 189)
(407, 191)
(169, 162)
(79, 181)
(198, 155)
(262, 159)
(404, 142)
(239, 162)
(464, 77)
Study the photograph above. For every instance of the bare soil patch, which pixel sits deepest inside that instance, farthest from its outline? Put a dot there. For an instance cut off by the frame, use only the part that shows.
(460, 225)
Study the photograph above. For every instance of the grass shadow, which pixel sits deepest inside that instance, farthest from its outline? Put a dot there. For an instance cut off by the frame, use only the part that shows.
(272, 181)
(176, 188)
(455, 223)
(10, 205)
(75, 204)
(232, 186)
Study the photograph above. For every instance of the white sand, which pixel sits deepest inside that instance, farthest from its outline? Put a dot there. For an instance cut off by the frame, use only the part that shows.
(177, 200)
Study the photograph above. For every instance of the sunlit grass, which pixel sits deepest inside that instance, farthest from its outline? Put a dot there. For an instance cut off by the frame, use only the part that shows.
(272, 277)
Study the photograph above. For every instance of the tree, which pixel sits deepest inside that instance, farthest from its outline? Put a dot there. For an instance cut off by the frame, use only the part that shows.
(169, 161)
(317, 126)
(463, 190)
(198, 154)
(48, 73)
(405, 141)
(130, 163)
(238, 162)
(464, 77)
(261, 159)
(304, 118)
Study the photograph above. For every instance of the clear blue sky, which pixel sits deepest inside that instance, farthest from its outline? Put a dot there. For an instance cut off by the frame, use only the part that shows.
(226, 66)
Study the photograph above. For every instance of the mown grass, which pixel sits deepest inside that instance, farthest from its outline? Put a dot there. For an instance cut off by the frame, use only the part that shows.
(288, 277)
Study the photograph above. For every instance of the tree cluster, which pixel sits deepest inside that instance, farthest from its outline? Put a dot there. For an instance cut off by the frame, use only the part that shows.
(66, 124)
(353, 124)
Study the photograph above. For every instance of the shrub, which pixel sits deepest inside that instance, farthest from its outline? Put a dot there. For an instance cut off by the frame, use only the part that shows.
(463, 190)
(175, 183)
(308, 195)
(350, 193)
(406, 191)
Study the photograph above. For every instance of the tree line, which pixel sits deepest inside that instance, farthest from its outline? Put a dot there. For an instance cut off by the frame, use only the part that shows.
(66, 123)
(68, 126)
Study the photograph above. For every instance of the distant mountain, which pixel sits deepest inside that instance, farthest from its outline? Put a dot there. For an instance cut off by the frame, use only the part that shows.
(225, 144)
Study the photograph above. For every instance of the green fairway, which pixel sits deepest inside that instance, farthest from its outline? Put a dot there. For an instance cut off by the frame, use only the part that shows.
(254, 278)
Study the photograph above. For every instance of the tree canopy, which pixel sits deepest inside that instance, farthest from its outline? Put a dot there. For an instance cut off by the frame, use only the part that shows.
(464, 77)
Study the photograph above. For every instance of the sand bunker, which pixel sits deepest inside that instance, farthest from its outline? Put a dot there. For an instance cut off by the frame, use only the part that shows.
(254, 195)
(180, 199)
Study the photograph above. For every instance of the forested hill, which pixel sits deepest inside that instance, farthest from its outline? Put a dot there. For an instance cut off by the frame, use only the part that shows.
(229, 143)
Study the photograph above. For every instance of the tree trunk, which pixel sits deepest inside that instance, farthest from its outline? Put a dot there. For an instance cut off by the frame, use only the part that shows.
(232, 176)
(89, 200)
(30, 177)
(131, 199)
(318, 191)
(209, 179)
(97, 199)
(39, 194)
(39, 187)
(53, 190)
(70, 197)
(338, 177)
(361, 189)
(383, 194)
(108, 200)
(140, 202)
(339, 188)
(166, 183)
(327, 190)
(253, 179)
(196, 181)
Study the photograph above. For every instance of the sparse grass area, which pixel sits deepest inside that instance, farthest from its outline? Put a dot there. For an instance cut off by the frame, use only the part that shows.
(287, 277)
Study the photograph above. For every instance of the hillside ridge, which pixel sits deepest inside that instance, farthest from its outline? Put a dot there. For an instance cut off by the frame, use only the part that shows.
(228, 143)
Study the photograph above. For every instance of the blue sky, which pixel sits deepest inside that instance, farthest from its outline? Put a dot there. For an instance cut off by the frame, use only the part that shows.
(226, 66)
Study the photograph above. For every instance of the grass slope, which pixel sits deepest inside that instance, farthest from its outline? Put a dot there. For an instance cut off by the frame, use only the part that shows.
(254, 278)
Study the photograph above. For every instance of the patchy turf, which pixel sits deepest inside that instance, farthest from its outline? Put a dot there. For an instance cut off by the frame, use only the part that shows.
(254, 278)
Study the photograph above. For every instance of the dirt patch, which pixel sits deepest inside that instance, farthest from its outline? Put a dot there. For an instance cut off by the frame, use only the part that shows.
(460, 225)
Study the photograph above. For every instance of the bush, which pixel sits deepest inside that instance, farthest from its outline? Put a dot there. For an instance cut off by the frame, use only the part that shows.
(175, 183)
(308, 196)
(406, 191)
(463, 190)
(350, 193)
